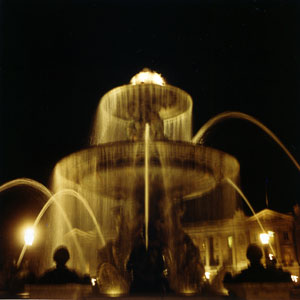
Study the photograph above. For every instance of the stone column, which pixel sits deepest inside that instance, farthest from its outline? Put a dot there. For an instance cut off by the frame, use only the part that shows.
(207, 252)
(277, 247)
(220, 242)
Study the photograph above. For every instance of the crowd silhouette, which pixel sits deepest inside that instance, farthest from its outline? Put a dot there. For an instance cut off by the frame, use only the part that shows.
(147, 269)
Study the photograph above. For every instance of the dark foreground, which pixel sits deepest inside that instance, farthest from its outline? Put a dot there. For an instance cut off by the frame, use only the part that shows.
(77, 291)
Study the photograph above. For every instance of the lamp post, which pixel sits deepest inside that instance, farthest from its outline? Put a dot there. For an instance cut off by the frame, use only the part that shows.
(264, 238)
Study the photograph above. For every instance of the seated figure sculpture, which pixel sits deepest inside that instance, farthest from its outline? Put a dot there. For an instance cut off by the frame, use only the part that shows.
(147, 266)
(61, 274)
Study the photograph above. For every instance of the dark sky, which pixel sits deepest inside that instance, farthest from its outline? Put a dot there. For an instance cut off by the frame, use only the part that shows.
(59, 57)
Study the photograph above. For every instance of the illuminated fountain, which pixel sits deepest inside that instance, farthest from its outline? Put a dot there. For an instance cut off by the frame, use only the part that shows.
(142, 169)
(139, 170)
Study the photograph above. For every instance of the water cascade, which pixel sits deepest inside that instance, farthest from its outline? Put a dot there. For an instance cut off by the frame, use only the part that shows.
(147, 128)
(140, 167)
(51, 198)
(143, 174)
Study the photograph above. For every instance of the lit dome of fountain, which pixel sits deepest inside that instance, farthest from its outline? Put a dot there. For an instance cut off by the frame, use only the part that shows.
(140, 149)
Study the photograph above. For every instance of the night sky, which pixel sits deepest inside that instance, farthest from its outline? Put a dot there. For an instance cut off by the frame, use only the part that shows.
(59, 57)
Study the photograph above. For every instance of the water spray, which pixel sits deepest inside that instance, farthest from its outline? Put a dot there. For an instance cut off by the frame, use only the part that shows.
(199, 137)
(251, 208)
(147, 133)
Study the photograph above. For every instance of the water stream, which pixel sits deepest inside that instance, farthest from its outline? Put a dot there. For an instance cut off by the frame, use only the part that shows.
(200, 136)
(147, 132)
(51, 198)
(251, 208)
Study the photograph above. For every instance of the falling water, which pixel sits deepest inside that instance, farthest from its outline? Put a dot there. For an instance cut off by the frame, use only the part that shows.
(147, 131)
(53, 199)
(199, 137)
(40, 187)
(88, 209)
(26, 181)
(250, 206)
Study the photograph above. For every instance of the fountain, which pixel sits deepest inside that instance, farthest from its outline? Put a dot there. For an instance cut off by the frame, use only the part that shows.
(140, 168)
(129, 192)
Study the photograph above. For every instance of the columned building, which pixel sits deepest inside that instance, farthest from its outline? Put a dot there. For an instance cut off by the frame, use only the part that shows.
(223, 243)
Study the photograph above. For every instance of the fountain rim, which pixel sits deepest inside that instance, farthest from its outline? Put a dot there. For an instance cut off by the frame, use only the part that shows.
(151, 142)
(168, 87)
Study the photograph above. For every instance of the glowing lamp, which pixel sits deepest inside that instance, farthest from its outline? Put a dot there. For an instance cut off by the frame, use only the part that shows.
(264, 238)
(29, 236)
(207, 275)
(294, 278)
(147, 76)
(93, 281)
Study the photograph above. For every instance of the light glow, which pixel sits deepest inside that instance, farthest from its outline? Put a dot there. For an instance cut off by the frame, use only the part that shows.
(147, 76)
(114, 292)
(29, 236)
(271, 256)
(294, 278)
(93, 281)
(207, 275)
(264, 238)
(188, 292)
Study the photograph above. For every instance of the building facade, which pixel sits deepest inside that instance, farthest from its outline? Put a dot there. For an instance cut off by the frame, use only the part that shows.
(223, 243)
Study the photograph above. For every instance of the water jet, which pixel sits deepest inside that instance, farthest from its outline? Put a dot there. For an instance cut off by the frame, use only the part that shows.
(131, 184)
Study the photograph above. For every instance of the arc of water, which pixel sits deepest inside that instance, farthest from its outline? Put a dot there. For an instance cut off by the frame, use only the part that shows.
(37, 220)
(88, 208)
(40, 187)
(199, 137)
(250, 206)
(147, 131)
(26, 181)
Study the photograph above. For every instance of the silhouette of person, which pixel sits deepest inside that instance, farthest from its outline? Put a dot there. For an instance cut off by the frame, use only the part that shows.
(256, 272)
(61, 273)
(277, 274)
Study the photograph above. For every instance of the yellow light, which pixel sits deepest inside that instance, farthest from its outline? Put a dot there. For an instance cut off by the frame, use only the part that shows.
(29, 236)
(264, 238)
(147, 76)
(188, 292)
(271, 233)
(271, 256)
(294, 278)
(93, 281)
(207, 275)
(114, 292)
